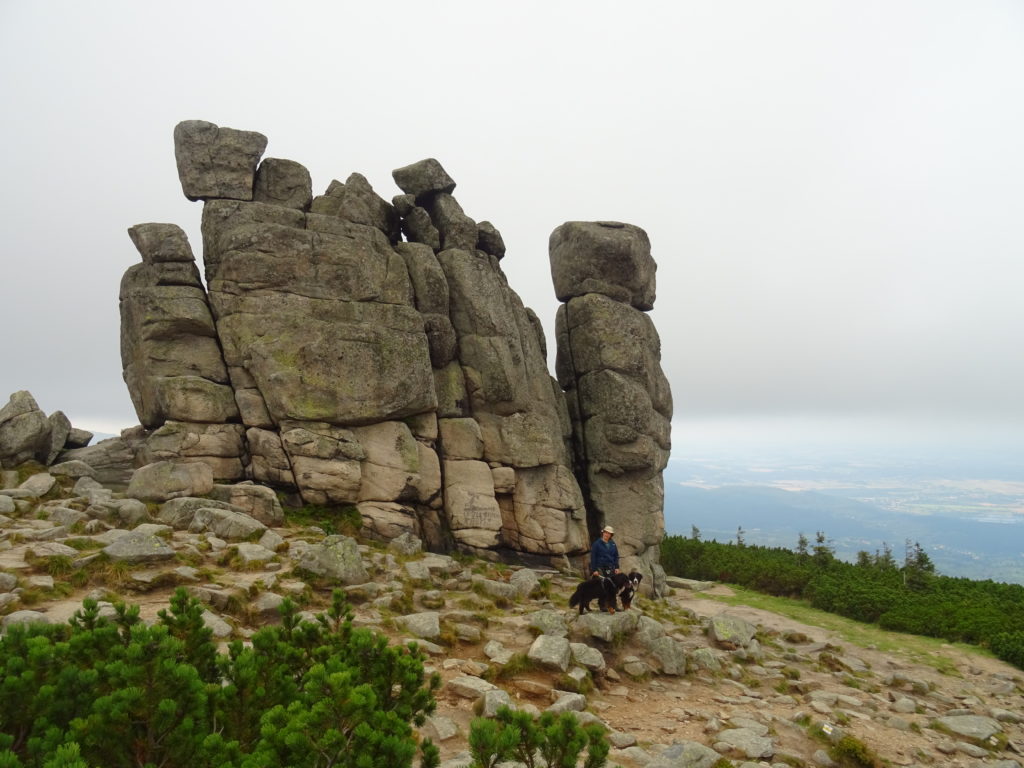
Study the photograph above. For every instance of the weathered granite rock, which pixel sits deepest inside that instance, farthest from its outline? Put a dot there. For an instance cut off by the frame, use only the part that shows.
(221, 446)
(164, 480)
(355, 201)
(396, 467)
(524, 581)
(586, 656)
(977, 728)
(405, 378)
(258, 501)
(729, 631)
(406, 544)
(24, 431)
(426, 625)
(469, 687)
(169, 351)
(297, 306)
(216, 162)
(283, 182)
(470, 505)
(112, 460)
(568, 701)
(226, 524)
(685, 754)
(423, 177)
(705, 658)
(179, 512)
(78, 438)
(336, 558)
(609, 364)
(495, 700)
(548, 622)
(139, 547)
(550, 651)
(75, 469)
(60, 429)
(489, 240)
(125, 513)
(670, 655)
(546, 513)
(748, 743)
(603, 257)
(38, 485)
(456, 228)
(606, 626)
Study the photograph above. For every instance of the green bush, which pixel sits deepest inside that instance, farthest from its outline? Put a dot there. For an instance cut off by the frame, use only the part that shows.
(555, 741)
(1009, 646)
(116, 692)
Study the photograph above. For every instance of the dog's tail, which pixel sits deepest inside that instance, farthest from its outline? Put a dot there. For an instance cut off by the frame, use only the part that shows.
(575, 599)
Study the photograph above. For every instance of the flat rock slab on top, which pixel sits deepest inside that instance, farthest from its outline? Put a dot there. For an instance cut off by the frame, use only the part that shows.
(215, 162)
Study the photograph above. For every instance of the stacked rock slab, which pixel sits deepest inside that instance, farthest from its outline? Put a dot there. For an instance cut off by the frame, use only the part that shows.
(406, 378)
(609, 363)
(172, 358)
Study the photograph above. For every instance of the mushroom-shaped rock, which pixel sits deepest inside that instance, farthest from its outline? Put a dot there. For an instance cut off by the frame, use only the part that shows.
(603, 257)
(423, 178)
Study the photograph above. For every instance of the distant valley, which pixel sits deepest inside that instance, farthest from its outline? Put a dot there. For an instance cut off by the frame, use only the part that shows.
(966, 509)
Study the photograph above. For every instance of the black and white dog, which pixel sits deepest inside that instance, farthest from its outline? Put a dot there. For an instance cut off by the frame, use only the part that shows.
(600, 588)
(626, 586)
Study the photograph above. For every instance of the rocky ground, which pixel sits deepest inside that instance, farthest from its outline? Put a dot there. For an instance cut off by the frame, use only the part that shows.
(679, 681)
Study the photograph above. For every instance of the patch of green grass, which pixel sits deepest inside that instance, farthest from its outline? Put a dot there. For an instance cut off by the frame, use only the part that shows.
(930, 651)
(83, 545)
(543, 589)
(854, 753)
(61, 565)
(517, 665)
(343, 519)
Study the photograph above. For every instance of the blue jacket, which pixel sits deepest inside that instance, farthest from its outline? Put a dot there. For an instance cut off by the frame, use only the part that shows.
(603, 555)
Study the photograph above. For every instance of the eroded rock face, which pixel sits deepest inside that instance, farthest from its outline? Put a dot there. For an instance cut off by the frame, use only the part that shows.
(327, 358)
(609, 364)
(24, 431)
(28, 434)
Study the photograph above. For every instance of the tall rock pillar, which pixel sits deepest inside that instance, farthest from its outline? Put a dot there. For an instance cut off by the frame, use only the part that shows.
(609, 364)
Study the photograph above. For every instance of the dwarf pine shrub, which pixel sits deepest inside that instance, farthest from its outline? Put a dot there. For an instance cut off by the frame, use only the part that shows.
(115, 692)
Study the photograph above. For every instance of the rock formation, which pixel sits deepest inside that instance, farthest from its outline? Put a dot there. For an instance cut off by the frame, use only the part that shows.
(28, 434)
(609, 363)
(348, 350)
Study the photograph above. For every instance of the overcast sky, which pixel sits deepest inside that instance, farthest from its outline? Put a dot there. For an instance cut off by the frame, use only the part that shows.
(834, 191)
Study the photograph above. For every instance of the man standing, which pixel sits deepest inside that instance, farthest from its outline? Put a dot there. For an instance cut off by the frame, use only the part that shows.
(604, 555)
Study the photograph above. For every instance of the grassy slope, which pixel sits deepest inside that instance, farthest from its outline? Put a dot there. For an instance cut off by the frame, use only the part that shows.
(924, 650)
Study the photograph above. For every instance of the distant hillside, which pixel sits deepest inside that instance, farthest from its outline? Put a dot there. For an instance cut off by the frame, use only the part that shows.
(775, 517)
